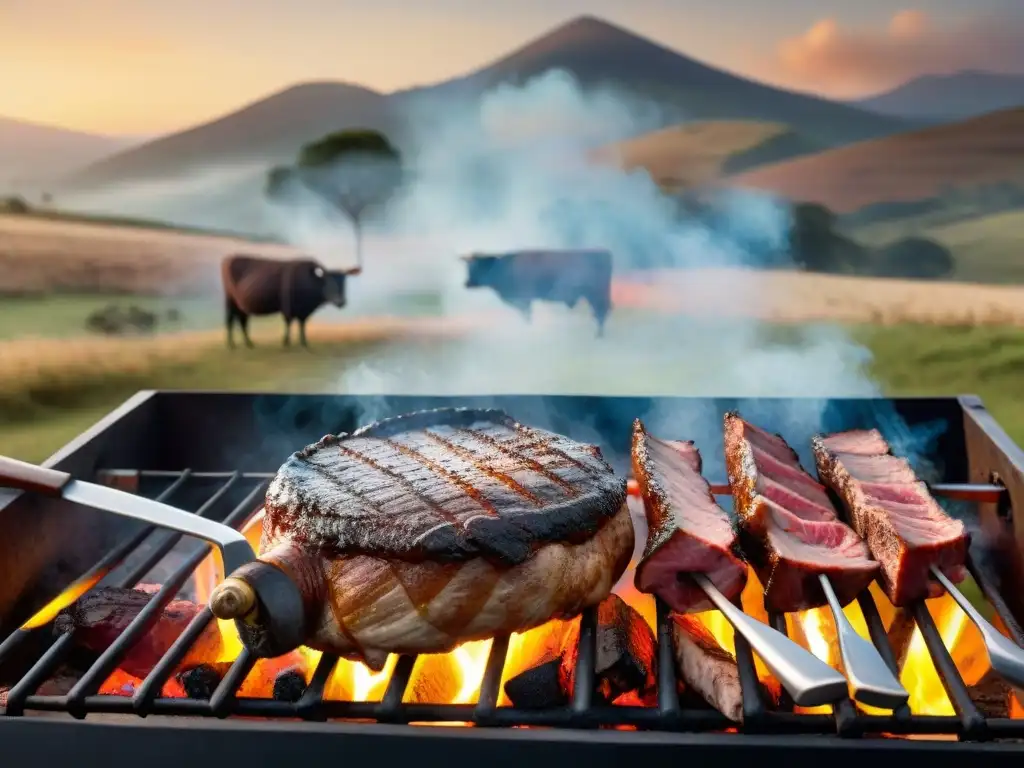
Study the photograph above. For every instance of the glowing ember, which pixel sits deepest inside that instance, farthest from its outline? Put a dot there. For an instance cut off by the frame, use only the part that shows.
(456, 677)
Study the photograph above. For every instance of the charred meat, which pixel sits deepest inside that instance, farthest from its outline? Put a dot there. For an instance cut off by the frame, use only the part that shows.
(420, 532)
(101, 616)
(791, 532)
(705, 667)
(687, 532)
(625, 666)
(905, 528)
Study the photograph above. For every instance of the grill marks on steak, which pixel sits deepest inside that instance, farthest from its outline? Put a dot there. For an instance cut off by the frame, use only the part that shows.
(451, 485)
(687, 531)
(421, 532)
(791, 531)
(905, 528)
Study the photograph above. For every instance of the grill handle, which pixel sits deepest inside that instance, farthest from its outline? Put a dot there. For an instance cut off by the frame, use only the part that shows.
(267, 606)
(810, 681)
(22, 476)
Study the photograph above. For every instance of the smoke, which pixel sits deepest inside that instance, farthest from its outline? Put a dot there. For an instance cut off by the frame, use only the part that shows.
(514, 171)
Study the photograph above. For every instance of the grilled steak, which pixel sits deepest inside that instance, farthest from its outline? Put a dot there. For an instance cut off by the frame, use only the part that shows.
(705, 667)
(791, 532)
(905, 528)
(687, 532)
(416, 533)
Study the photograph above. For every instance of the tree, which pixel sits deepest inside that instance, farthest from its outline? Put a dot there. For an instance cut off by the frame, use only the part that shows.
(353, 171)
(914, 257)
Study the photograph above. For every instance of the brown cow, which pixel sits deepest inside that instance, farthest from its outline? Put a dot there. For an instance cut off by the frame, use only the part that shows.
(295, 288)
(521, 277)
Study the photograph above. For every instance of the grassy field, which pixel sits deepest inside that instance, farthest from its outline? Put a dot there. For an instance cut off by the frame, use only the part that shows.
(51, 389)
(43, 256)
(986, 248)
(69, 217)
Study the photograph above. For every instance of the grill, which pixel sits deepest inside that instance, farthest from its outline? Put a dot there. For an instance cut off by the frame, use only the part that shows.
(213, 454)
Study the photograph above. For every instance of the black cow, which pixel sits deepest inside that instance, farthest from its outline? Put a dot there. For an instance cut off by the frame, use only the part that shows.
(294, 288)
(522, 277)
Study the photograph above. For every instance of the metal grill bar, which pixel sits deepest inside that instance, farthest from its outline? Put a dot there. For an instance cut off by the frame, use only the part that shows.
(164, 668)
(109, 562)
(976, 492)
(971, 720)
(108, 661)
(581, 713)
(668, 683)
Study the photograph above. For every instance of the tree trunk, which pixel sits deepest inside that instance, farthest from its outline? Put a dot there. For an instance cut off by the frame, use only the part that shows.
(357, 229)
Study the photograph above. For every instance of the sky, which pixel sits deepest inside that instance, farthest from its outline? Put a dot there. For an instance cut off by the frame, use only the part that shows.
(154, 66)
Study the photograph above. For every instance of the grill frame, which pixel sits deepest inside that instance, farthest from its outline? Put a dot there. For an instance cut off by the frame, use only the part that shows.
(990, 457)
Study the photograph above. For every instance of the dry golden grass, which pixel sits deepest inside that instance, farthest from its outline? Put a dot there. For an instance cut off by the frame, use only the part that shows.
(905, 167)
(32, 363)
(800, 297)
(689, 155)
(37, 255)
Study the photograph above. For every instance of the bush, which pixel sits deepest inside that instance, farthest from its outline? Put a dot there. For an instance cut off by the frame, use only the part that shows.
(14, 204)
(914, 257)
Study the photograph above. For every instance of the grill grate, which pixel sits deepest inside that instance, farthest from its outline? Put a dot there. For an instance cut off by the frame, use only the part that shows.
(845, 721)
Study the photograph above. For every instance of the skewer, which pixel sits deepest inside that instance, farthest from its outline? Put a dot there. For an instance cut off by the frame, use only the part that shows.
(980, 493)
(810, 681)
(1005, 656)
(871, 680)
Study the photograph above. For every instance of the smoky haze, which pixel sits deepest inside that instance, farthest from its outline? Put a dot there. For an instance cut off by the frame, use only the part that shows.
(512, 170)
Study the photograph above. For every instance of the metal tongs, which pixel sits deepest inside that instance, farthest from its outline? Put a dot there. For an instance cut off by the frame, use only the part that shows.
(1005, 656)
(808, 680)
(19, 475)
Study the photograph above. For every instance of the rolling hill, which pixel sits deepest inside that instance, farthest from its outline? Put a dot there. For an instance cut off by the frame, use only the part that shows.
(688, 155)
(271, 129)
(34, 152)
(595, 52)
(943, 98)
(906, 167)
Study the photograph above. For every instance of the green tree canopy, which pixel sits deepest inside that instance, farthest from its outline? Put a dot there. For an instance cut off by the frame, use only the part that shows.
(353, 171)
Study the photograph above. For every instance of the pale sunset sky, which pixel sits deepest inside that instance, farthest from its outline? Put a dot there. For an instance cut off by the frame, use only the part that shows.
(153, 66)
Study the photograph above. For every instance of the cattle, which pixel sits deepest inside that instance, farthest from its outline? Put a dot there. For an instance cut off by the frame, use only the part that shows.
(294, 288)
(522, 277)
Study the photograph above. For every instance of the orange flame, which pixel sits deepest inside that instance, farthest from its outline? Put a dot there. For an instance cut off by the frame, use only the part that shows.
(456, 677)
(75, 590)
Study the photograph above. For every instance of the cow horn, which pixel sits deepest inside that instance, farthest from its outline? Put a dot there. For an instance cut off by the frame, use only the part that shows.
(354, 271)
(468, 256)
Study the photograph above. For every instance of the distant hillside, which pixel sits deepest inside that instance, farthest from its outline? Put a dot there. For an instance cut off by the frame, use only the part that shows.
(941, 98)
(921, 164)
(34, 152)
(696, 153)
(596, 52)
(271, 129)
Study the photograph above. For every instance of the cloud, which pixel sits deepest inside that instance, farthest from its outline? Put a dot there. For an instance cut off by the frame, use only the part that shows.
(845, 62)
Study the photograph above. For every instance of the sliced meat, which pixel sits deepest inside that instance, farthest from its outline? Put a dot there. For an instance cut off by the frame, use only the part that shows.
(687, 532)
(905, 528)
(790, 530)
(705, 667)
(420, 532)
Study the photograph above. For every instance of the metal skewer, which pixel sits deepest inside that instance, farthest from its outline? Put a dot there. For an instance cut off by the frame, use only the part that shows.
(871, 680)
(810, 681)
(1005, 656)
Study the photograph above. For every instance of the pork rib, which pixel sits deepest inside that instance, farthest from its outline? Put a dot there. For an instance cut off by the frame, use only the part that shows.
(791, 532)
(417, 533)
(905, 528)
(687, 532)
